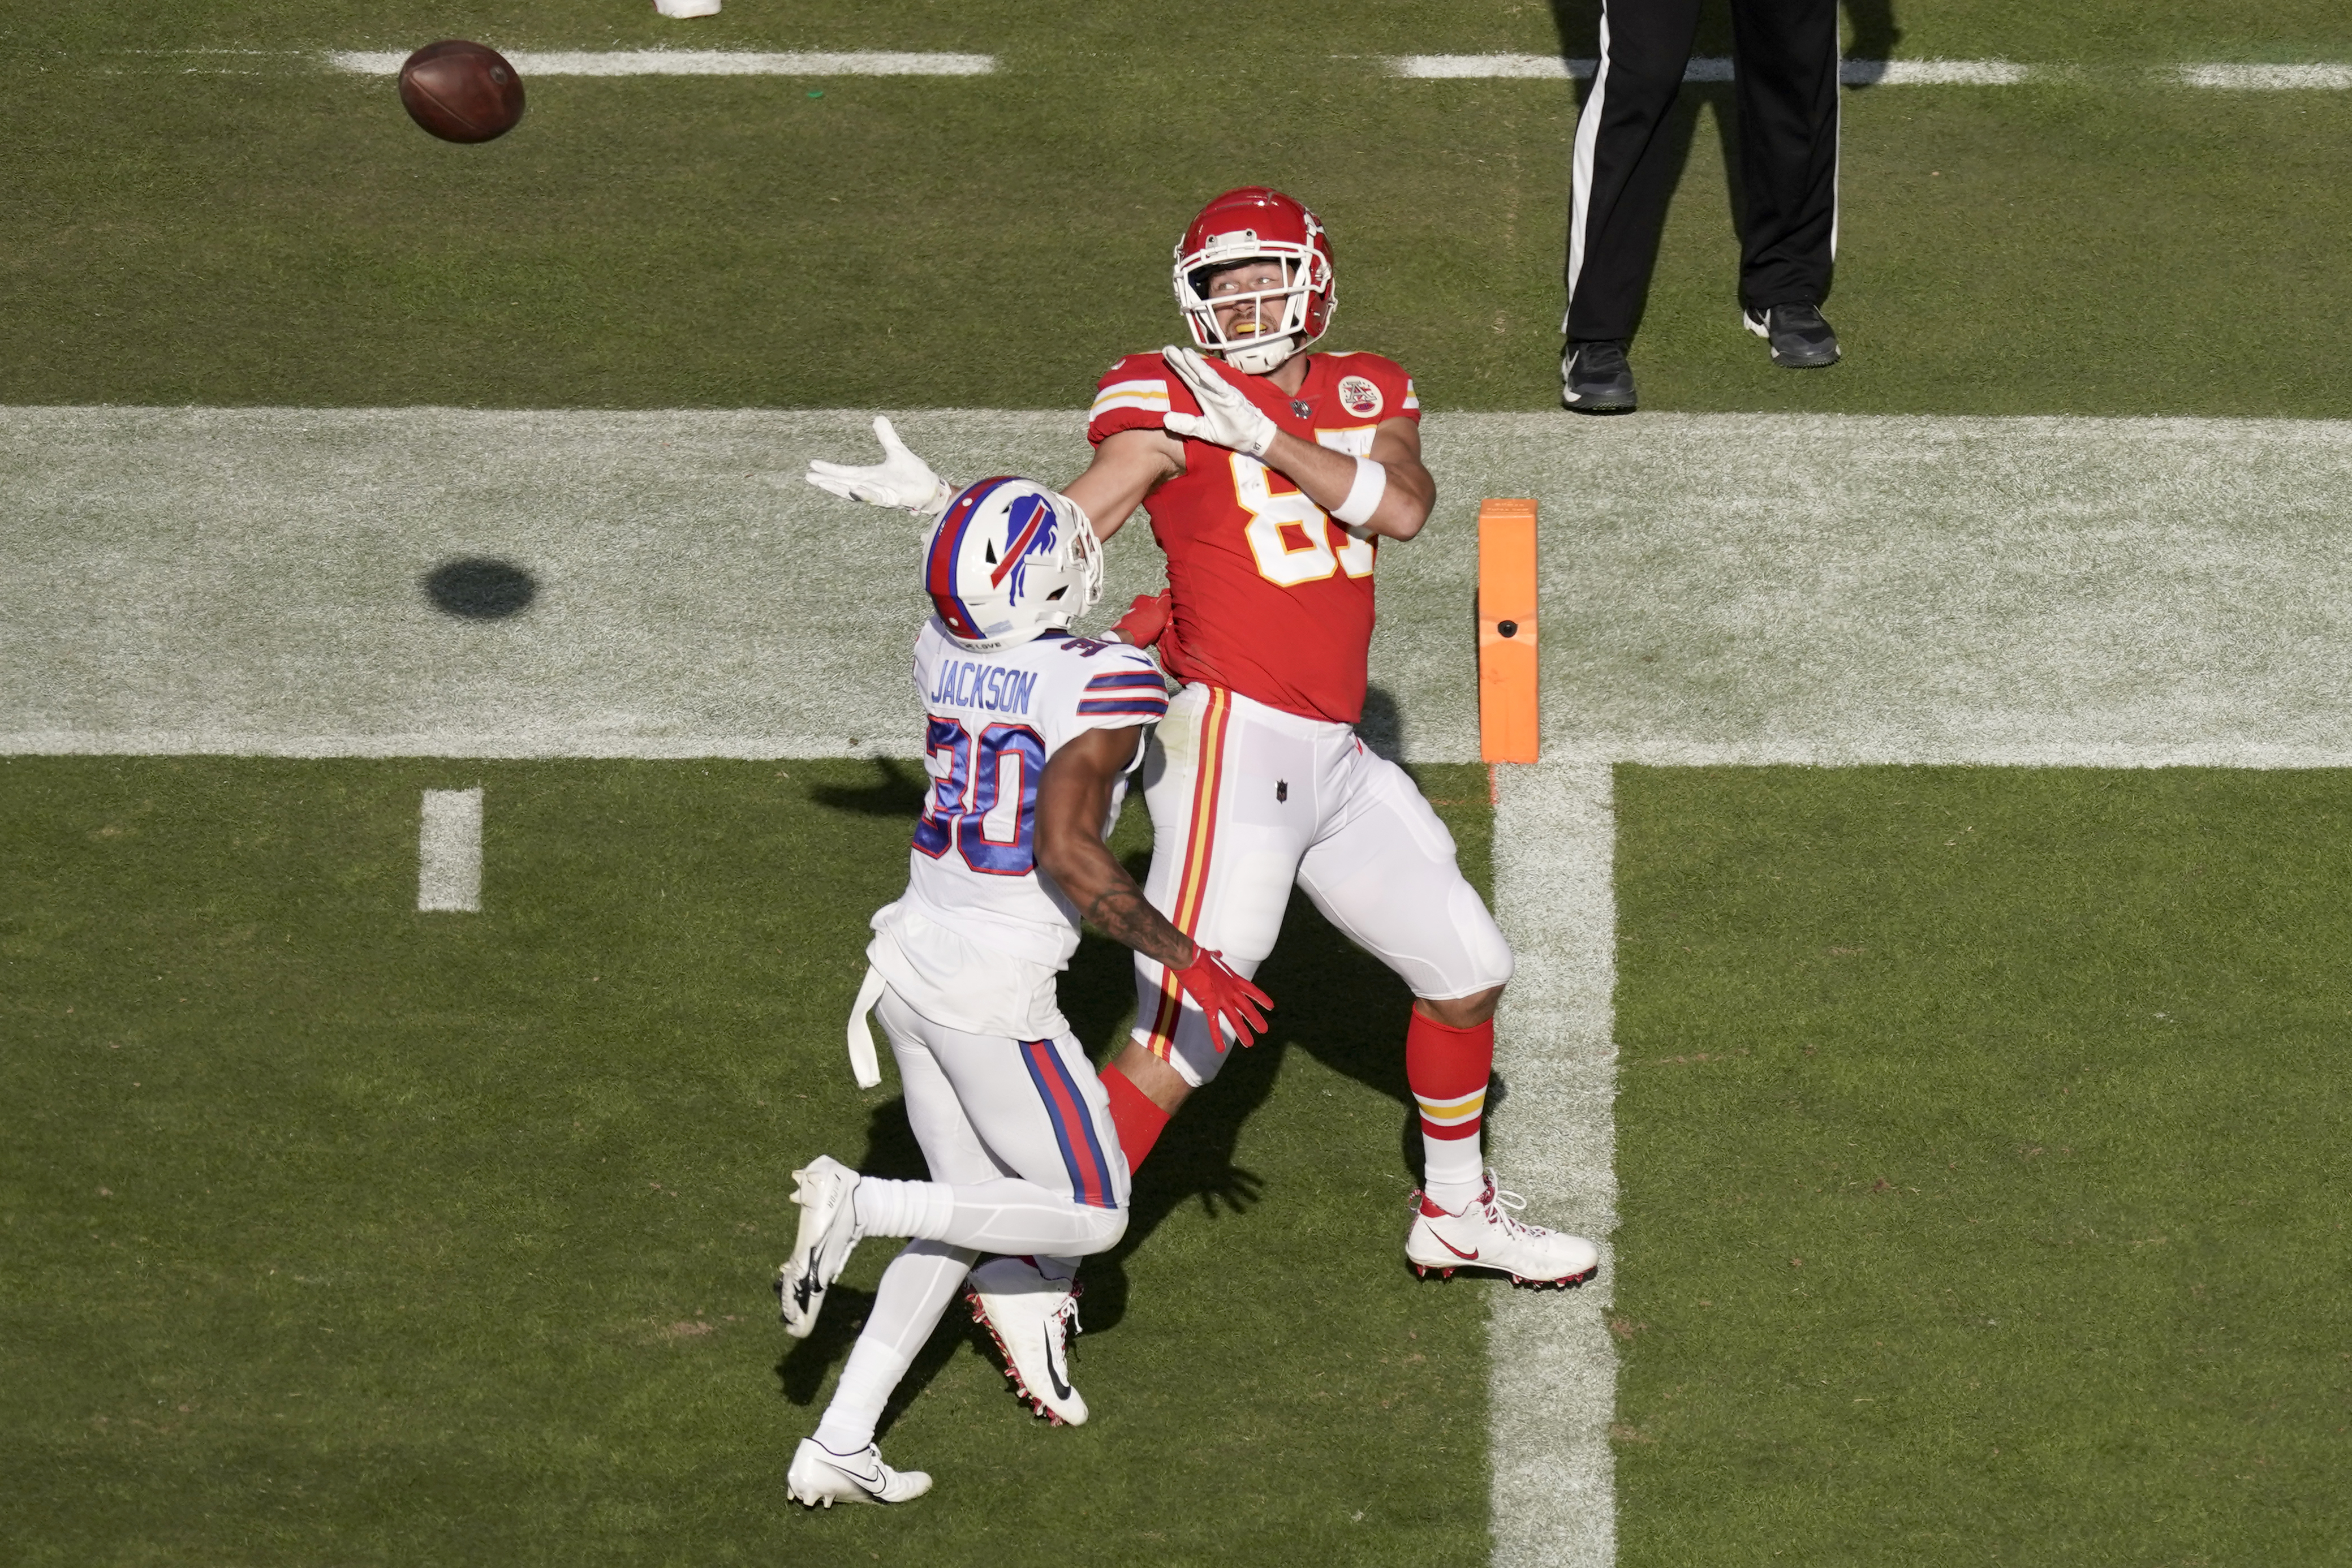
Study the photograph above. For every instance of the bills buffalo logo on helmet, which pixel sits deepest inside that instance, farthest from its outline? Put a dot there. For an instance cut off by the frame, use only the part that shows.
(1359, 396)
(1008, 561)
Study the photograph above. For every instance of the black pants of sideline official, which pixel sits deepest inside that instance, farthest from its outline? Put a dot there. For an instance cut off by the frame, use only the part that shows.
(1785, 55)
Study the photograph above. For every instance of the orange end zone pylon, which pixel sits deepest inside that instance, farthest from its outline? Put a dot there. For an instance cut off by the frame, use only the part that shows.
(1507, 631)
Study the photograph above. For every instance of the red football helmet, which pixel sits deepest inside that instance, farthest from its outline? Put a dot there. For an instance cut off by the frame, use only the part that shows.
(1255, 223)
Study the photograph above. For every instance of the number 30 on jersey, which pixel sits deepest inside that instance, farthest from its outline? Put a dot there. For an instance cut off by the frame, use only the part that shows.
(1290, 535)
(989, 818)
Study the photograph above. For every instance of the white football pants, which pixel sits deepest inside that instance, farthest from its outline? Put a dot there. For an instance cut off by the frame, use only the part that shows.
(1247, 800)
(1019, 1136)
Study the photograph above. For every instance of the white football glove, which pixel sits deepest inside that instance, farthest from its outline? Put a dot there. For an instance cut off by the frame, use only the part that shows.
(1226, 417)
(902, 479)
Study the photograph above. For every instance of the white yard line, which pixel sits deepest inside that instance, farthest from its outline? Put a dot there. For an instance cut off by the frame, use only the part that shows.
(1552, 1369)
(449, 851)
(2268, 79)
(1713, 68)
(696, 62)
(1731, 588)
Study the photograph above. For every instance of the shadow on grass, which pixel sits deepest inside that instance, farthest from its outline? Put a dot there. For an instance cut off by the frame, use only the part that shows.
(897, 791)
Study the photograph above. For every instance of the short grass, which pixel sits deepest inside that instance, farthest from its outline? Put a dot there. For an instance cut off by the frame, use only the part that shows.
(337, 1233)
(1983, 1147)
(248, 228)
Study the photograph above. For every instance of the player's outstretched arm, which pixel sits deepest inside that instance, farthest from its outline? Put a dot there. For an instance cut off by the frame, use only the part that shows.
(900, 479)
(1072, 800)
(1128, 466)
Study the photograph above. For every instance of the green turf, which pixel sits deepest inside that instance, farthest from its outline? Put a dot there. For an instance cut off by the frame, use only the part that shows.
(286, 236)
(336, 1233)
(1982, 1149)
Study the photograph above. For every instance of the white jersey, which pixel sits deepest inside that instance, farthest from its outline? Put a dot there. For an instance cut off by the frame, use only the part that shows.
(976, 940)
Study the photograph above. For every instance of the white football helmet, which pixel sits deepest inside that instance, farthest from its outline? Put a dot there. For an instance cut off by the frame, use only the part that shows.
(1008, 561)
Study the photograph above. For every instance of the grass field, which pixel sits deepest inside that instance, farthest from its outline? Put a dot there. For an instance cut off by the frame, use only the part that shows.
(279, 234)
(338, 1232)
(1982, 1146)
(1978, 1135)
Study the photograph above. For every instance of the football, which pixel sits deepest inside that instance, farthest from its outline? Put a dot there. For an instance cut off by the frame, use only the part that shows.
(461, 91)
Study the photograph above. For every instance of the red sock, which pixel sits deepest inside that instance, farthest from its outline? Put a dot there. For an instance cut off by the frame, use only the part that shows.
(1447, 1069)
(1131, 1111)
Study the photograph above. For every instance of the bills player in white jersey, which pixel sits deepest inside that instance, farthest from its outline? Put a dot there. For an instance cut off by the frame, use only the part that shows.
(1026, 725)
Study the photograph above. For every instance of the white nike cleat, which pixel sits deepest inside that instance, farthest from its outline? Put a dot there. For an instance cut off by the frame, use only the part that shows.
(828, 1231)
(1032, 1318)
(820, 1477)
(1487, 1234)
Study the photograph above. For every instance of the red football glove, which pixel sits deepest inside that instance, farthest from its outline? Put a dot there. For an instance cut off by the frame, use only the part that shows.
(1144, 621)
(1227, 998)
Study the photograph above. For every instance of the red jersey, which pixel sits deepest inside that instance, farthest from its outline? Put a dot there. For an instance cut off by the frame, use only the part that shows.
(1272, 597)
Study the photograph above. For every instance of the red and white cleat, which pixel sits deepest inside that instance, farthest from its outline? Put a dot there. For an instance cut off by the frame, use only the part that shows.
(1487, 1234)
(1033, 1318)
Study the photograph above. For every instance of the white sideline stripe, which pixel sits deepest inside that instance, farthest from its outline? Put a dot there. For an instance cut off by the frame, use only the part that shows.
(1713, 68)
(2268, 79)
(694, 62)
(1552, 1381)
(449, 851)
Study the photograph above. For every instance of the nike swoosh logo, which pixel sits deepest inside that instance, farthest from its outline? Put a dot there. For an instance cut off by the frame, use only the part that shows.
(806, 1286)
(1470, 1256)
(1053, 1374)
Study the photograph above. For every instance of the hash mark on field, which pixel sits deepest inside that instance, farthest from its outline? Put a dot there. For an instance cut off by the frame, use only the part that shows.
(696, 62)
(1713, 68)
(449, 851)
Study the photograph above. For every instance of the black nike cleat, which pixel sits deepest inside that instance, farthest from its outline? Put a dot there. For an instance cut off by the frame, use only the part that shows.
(1800, 340)
(1595, 379)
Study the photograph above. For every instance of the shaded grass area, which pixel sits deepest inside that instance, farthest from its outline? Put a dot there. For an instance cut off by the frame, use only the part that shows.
(1982, 1149)
(338, 1232)
(235, 228)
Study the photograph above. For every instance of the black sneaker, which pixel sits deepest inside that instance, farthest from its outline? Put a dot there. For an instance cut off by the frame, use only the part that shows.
(1595, 379)
(1800, 340)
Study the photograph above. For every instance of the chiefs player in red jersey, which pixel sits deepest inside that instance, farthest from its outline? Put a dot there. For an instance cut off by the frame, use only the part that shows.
(1272, 477)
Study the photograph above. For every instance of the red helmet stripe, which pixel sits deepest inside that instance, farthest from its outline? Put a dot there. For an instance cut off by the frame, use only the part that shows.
(1020, 546)
(947, 545)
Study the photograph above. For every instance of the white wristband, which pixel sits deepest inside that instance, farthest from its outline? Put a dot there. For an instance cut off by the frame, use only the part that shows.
(932, 509)
(1364, 495)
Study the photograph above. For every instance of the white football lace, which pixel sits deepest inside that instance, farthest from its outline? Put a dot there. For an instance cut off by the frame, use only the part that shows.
(1505, 1206)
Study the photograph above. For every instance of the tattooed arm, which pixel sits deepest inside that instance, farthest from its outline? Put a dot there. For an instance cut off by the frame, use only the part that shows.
(1073, 799)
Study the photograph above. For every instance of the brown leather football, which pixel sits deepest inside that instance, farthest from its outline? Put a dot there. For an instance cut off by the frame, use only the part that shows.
(461, 91)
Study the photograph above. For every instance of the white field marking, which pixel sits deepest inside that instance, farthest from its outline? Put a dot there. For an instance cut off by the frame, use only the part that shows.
(449, 851)
(1713, 68)
(1932, 73)
(2268, 79)
(1552, 1381)
(694, 62)
(1718, 588)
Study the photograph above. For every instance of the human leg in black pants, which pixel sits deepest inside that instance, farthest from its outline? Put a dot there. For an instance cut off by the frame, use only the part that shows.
(1786, 70)
(1625, 167)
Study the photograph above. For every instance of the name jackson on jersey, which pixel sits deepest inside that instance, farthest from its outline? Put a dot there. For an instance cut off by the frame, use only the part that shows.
(978, 937)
